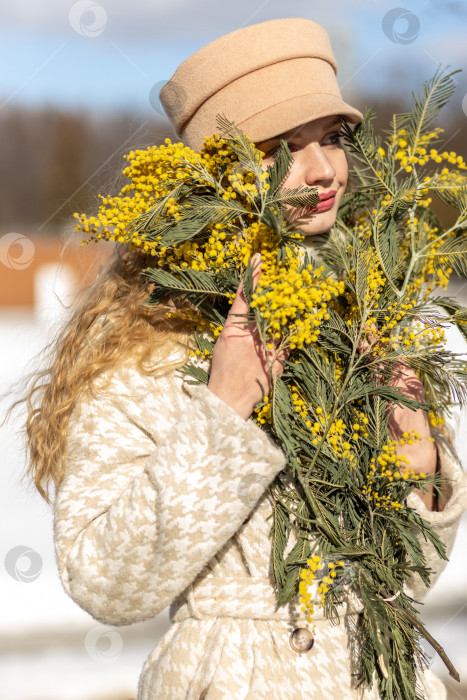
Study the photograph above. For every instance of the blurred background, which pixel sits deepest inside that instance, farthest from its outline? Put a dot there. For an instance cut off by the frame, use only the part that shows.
(79, 88)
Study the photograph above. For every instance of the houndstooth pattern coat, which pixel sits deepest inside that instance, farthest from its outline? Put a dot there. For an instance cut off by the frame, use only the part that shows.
(165, 502)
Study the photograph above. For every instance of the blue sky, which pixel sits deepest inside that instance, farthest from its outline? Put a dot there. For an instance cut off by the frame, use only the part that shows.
(107, 56)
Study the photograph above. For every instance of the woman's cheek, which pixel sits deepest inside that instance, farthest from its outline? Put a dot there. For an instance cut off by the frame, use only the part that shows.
(344, 169)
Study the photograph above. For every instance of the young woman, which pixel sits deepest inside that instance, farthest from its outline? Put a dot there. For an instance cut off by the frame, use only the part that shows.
(151, 472)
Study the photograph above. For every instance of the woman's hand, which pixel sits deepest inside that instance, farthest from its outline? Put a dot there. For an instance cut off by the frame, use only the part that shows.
(239, 366)
(422, 453)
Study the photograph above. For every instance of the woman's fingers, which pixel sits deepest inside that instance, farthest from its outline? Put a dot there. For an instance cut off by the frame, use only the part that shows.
(280, 360)
(404, 376)
(370, 339)
(242, 369)
(239, 305)
(256, 264)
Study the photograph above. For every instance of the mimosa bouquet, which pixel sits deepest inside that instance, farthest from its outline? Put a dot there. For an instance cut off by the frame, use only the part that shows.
(349, 317)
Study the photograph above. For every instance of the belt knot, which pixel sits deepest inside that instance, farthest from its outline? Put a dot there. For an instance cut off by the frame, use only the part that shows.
(248, 597)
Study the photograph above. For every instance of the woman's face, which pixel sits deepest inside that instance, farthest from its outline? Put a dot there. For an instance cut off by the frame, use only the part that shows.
(319, 161)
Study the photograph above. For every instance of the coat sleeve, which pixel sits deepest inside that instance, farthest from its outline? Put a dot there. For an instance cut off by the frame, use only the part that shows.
(150, 495)
(445, 523)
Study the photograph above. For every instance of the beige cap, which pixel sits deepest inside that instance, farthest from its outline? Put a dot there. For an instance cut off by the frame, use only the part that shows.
(268, 78)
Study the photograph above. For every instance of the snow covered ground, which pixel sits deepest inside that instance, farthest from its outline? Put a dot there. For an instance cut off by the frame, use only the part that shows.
(52, 650)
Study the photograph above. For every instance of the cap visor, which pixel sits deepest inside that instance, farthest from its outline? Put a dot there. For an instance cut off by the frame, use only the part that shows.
(293, 113)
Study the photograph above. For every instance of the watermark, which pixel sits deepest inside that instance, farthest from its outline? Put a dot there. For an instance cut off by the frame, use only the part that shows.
(100, 332)
(464, 105)
(237, 174)
(87, 18)
(174, 95)
(103, 644)
(251, 487)
(23, 564)
(429, 654)
(401, 25)
(16, 251)
(344, 572)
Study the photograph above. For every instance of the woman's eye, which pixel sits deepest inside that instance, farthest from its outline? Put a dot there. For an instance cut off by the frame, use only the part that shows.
(335, 139)
(272, 151)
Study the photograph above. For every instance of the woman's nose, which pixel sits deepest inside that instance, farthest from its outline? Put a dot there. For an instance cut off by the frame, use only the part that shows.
(317, 166)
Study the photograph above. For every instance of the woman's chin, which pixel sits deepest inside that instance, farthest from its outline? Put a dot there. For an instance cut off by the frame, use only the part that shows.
(315, 228)
(318, 223)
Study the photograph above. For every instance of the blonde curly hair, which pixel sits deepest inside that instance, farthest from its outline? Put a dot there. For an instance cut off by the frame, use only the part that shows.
(109, 325)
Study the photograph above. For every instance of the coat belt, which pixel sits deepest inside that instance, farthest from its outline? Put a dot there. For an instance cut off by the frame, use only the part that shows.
(246, 597)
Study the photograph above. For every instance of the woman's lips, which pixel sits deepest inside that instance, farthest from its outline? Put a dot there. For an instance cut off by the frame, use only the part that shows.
(326, 201)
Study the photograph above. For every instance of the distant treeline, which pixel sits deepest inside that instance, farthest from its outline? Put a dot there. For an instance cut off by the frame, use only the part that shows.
(53, 163)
